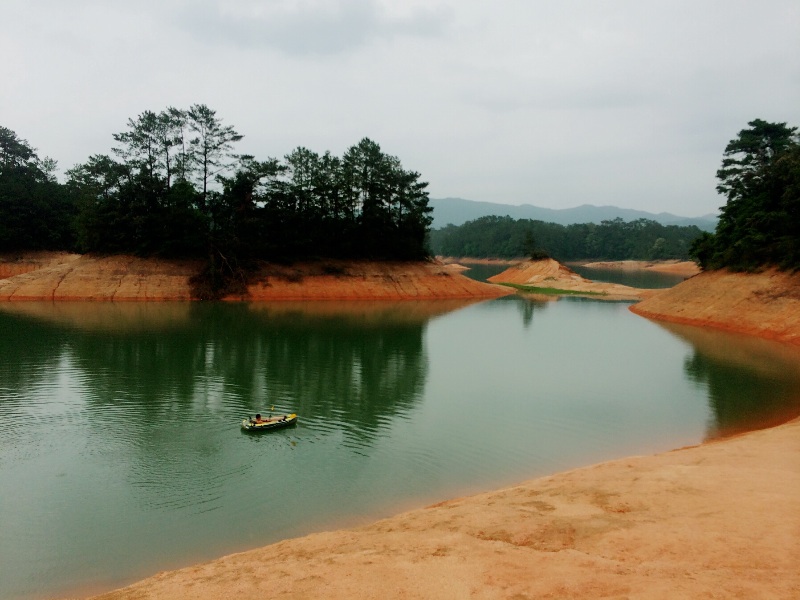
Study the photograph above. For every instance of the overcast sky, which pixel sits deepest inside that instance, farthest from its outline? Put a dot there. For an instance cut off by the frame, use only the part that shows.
(553, 103)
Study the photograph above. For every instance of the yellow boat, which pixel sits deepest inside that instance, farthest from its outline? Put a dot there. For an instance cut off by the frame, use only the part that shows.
(270, 423)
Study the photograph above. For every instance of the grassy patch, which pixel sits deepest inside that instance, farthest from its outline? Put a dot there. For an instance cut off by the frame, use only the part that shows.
(529, 289)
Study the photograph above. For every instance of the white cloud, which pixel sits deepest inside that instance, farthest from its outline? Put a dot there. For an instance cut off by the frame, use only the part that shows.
(303, 27)
(557, 104)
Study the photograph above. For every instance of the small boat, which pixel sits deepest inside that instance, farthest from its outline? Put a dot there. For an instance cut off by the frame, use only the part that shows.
(270, 423)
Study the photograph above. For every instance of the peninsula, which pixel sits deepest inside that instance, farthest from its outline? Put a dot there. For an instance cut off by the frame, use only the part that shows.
(63, 276)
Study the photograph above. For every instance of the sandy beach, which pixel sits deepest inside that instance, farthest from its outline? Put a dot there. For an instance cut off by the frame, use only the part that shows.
(719, 520)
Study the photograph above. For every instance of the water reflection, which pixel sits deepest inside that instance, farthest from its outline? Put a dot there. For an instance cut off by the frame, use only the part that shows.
(637, 278)
(121, 455)
(530, 304)
(122, 414)
(360, 363)
(751, 382)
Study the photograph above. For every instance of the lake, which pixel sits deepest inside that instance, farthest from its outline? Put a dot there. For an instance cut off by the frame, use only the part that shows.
(121, 452)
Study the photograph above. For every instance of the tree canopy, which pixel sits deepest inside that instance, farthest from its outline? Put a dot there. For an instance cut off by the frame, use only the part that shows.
(504, 237)
(34, 213)
(174, 186)
(760, 223)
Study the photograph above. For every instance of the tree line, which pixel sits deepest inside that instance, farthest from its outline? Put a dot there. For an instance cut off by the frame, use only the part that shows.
(174, 187)
(760, 223)
(504, 237)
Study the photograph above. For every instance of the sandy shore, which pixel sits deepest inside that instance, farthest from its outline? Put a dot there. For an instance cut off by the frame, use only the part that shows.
(720, 520)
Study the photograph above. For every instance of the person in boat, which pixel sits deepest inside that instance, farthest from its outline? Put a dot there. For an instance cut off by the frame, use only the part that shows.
(260, 420)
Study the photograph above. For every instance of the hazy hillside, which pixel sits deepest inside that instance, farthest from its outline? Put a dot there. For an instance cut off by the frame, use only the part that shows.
(458, 211)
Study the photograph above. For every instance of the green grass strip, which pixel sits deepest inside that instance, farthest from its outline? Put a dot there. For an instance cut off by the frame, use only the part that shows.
(529, 289)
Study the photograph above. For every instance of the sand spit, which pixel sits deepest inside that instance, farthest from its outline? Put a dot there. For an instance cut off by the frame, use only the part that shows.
(687, 268)
(549, 273)
(480, 261)
(127, 278)
(720, 520)
(765, 304)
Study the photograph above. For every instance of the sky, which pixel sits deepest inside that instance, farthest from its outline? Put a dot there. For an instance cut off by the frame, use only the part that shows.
(553, 103)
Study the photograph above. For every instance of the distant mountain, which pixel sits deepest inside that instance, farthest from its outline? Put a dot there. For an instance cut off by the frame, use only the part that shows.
(458, 211)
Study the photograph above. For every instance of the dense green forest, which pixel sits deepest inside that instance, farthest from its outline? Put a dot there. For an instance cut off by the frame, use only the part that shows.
(504, 237)
(758, 226)
(35, 210)
(760, 223)
(175, 188)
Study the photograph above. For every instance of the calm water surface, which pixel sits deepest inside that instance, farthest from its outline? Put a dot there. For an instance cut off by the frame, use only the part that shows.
(646, 280)
(121, 453)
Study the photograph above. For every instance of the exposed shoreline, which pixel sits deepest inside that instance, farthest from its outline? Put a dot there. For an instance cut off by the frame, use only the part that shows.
(765, 304)
(716, 520)
(68, 277)
(686, 268)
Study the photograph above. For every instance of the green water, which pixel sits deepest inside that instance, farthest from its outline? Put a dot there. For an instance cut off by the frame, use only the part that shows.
(638, 278)
(121, 452)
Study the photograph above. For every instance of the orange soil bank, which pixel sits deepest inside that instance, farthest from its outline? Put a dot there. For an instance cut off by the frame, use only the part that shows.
(765, 304)
(125, 278)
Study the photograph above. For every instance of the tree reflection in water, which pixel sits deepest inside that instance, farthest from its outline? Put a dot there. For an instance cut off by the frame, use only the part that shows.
(355, 364)
(751, 383)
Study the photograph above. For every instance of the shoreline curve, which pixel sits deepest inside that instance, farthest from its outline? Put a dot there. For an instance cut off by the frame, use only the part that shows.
(715, 520)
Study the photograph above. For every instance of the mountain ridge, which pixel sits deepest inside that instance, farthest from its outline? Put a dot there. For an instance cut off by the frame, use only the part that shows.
(457, 211)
